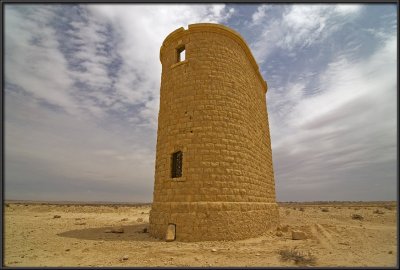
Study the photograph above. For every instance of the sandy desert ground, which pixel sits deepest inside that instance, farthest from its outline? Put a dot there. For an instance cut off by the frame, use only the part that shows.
(35, 236)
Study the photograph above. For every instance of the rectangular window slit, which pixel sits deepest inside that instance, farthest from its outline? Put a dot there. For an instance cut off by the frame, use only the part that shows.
(181, 54)
(177, 164)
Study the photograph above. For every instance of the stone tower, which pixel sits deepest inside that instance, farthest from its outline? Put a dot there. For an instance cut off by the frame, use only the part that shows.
(214, 178)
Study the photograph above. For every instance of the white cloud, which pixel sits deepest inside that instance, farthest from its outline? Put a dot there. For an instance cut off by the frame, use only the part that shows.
(300, 26)
(40, 69)
(373, 79)
(259, 15)
(342, 132)
(345, 9)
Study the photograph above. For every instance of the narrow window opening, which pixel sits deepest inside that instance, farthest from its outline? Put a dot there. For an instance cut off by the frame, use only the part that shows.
(181, 54)
(176, 164)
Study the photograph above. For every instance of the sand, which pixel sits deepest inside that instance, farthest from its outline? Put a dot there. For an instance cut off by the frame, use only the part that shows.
(81, 237)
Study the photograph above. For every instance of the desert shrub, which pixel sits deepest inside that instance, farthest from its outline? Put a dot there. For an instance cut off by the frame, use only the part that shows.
(377, 211)
(287, 212)
(357, 217)
(297, 257)
(325, 210)
(301, 209)
(356, 208)
(388, 207)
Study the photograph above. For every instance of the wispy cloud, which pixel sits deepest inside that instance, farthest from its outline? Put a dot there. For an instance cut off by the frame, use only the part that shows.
(298, 26)
(340, 133)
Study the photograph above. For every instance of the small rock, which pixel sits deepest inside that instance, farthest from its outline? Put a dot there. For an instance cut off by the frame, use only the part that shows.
(214, 250)
(142, 212)
(124, 219)
(258, 254)
(357, 216)
(125, 257)
(298, 235)
(279, 234)
(56, 216)
(285, 228)
(67, 249)
(379, 212)
(390, 252)
(117, 230)
(139, 220)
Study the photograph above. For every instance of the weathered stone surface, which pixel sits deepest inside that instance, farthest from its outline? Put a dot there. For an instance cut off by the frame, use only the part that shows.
(298, 235)
(170, 235)
(213, 110)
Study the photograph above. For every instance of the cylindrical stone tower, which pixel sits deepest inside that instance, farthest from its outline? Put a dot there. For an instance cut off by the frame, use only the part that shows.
(214, 178)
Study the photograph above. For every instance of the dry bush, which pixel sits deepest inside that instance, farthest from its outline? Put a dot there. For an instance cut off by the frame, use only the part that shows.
(298, 257)
(301, 209)
(377, 211)
(287, 212)
(325, 210)
(388, 207)
(357, 216)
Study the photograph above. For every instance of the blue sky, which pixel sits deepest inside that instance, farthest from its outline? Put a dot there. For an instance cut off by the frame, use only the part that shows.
(82, 85)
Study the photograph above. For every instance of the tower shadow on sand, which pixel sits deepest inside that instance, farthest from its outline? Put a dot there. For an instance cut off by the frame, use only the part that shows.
(131, 233)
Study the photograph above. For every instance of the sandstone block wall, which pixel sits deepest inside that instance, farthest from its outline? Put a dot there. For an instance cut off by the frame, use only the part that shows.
(212, 108)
